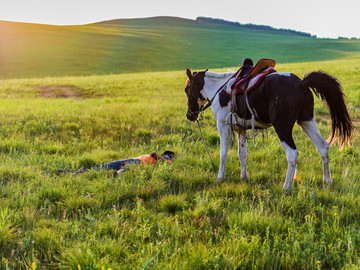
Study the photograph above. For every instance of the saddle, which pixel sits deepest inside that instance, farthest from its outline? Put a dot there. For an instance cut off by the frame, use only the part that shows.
(251, 76)
(248, 78)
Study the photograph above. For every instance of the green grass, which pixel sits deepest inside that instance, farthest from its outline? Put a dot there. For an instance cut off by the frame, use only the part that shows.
(154, 44)
(165, 217)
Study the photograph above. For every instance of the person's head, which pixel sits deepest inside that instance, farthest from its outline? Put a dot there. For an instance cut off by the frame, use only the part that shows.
(168, 155)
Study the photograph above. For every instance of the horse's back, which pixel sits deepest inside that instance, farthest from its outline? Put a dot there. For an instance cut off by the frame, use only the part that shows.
(281, 81)
(289, 100)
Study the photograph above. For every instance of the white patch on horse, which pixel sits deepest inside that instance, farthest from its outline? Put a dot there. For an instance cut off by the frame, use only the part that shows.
(291, 156)
(322, 146)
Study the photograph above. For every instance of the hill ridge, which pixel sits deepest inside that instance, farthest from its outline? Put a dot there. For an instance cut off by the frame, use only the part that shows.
(152, 44)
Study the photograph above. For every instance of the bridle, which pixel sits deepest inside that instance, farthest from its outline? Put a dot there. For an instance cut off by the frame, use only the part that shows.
(202, 98)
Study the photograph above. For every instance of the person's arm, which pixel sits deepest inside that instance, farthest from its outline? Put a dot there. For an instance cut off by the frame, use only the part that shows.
(157, 157)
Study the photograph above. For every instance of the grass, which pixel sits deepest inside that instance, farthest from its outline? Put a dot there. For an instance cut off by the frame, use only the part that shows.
(154, 44)
(165, 217)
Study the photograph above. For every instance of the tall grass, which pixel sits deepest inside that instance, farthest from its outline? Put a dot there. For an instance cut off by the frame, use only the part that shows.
(165, 217)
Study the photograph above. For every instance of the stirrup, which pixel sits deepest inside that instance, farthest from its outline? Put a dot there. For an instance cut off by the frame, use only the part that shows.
(230, 121)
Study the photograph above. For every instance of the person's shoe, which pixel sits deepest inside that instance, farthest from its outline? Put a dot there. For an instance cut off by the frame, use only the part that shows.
(82, 170)
(61, 171)
(121, 170)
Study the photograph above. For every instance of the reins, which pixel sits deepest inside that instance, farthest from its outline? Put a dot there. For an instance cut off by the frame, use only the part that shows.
(206, 148)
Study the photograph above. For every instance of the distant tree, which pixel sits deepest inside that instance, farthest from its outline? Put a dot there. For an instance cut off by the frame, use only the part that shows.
(254, 26)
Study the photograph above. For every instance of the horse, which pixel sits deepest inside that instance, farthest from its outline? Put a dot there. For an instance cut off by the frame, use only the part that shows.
(280, 100)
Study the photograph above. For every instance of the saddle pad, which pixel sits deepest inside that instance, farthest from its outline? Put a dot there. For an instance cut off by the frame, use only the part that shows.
(239, 85)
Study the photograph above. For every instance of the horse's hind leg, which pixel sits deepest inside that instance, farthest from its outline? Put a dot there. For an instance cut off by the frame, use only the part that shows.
(291, 155)
(288, 144)
(242, 151)
(322, 146)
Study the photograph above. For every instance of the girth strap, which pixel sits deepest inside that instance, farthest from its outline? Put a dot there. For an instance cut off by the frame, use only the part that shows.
(235, 110)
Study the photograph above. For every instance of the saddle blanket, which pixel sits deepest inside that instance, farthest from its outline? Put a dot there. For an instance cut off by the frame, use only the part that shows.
(239, 85)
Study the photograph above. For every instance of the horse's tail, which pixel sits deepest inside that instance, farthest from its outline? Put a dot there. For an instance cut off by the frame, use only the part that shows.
(330, 90)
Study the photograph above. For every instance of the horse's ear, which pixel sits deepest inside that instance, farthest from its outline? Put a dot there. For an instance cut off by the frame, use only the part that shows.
(188, 73)
(206, 70)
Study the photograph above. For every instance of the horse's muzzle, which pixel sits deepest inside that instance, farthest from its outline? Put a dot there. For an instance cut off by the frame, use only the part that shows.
(191, 116)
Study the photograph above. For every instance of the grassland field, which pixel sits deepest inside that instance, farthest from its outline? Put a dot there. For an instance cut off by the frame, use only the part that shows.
(165, 217)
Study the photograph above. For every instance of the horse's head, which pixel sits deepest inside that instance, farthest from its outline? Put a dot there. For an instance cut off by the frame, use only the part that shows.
(193, 88)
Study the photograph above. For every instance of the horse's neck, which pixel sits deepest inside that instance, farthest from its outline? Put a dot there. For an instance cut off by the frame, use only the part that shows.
(213, 82)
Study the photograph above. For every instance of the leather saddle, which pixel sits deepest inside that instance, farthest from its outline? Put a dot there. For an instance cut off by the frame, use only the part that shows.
(248, 71)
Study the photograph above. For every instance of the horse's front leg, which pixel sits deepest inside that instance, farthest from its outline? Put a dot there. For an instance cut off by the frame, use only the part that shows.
(242, 151)
(224, 132)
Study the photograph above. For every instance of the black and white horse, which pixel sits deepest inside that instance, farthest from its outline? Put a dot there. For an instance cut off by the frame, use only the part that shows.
(279, 101)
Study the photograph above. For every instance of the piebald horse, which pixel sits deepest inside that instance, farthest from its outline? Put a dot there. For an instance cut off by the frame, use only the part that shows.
(281, 100)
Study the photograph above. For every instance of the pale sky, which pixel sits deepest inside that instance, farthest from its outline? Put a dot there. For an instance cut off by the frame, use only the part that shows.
(324, 18)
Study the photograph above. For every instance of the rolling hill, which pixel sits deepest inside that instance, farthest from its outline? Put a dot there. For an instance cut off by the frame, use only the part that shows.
(153, 44)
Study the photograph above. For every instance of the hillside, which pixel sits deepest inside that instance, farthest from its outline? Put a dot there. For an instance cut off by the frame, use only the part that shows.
(151, 44)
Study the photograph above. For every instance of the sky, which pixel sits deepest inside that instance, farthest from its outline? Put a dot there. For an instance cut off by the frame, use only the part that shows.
(323, 18)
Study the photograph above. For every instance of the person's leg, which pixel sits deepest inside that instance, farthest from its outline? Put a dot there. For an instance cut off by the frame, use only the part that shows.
(82, 170)
(62, 171)
(119, 164)
(115, 166)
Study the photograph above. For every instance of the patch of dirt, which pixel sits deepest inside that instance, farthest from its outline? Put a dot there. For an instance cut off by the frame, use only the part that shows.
(59, 91)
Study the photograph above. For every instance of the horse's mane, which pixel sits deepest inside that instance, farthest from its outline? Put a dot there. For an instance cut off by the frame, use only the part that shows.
(218, 75)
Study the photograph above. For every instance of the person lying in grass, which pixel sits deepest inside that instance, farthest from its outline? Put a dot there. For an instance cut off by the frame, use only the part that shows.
(120, 165)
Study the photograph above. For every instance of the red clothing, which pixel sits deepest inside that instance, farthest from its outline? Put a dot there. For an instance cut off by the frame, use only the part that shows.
(147, 159)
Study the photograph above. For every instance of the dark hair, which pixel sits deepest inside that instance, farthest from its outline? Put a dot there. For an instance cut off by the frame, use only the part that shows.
(168, 153)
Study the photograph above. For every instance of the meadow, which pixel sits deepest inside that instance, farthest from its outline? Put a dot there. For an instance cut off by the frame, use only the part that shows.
(165, 217)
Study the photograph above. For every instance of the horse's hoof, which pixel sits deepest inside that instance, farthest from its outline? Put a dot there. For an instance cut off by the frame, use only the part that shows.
(218, 181)
(328, 184)
(287, 190)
